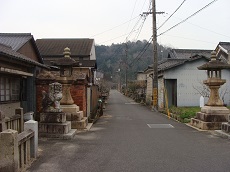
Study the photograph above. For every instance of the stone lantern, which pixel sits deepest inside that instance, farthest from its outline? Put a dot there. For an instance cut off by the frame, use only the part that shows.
(66, 67)
(72, 111)
(214, 112)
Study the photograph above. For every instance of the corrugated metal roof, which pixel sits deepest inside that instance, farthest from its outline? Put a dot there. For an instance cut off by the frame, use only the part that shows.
(55, 47)
(15, 40)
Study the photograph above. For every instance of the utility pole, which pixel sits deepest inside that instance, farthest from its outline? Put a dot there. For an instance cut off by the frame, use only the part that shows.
(155, 60)
(126, 57)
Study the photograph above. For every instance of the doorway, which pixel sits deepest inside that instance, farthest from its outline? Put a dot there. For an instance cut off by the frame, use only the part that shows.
(171, 87)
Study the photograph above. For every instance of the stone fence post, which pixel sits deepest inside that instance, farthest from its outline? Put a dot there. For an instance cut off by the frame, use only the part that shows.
(2, 122)
(33, 125)
(19, 111)
(9, 154)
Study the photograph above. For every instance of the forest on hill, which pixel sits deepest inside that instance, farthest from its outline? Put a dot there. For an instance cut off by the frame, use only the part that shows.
(136, 56)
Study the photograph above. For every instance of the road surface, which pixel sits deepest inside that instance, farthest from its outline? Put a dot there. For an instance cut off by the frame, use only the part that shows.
(131, 138)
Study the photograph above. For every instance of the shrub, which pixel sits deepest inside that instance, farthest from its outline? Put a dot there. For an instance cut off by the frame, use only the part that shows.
(185, 112)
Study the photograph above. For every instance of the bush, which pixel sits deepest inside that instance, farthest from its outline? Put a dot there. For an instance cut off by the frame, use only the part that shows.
(185, 113)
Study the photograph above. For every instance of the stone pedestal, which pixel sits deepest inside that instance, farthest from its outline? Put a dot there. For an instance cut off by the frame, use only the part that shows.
(210, 117)
(225, 126)
(54, 125)
(75, 116)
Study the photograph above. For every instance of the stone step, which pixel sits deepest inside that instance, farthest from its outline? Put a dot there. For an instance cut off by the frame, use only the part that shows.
(80, 124)
(55, 128)
(212, 118)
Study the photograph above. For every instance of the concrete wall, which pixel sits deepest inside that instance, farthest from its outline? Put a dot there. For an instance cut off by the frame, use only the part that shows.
(9, 108)
(161, 97)
(149, 90)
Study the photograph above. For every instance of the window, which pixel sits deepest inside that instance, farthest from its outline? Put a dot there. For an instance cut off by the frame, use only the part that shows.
(9, 89)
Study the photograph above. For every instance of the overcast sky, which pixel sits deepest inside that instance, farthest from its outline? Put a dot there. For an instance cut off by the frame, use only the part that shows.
(114, 21)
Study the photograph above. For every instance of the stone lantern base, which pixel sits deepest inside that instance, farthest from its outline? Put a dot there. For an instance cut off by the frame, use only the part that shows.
(75, 116)
(225, 126)
(54, 125)
(210, 117)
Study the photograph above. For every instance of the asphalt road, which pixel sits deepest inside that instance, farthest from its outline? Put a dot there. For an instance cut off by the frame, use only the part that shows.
(122, 141)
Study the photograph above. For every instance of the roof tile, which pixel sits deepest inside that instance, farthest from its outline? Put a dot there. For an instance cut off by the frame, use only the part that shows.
(55, 47)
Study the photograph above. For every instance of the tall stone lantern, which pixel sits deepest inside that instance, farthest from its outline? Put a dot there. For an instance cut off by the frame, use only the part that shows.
(72, 111)
(213, 113)
(66, 67)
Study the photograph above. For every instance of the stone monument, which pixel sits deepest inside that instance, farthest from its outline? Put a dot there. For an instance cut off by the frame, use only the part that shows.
(67, 104)
(214, 112)
(53, 122)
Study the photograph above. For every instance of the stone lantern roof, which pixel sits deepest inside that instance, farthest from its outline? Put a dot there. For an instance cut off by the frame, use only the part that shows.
(214, 64)
(66, 60)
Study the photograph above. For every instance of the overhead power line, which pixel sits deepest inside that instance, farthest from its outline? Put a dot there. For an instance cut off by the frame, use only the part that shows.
(141, 53)
(188, 17)
(172, 14)
(115, 27)
(147, 45)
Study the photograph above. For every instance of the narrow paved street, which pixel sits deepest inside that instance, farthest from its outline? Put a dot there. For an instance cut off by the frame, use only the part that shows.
(122, 141)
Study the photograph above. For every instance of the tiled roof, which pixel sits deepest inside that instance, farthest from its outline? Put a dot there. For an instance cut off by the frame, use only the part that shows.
(169, 63)
(55, 47)
(225, 45)
(15, 40)
(188, 53)
(9, 52)
(172, 62)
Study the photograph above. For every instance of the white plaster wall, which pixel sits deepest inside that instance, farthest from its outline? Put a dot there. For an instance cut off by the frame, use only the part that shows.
(188, 77)
(226, 87)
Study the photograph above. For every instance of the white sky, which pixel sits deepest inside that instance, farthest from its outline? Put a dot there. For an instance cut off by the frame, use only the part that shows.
(107, 20)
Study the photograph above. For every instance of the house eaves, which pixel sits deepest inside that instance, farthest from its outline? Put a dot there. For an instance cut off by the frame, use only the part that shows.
(6, 51)
(18, 40)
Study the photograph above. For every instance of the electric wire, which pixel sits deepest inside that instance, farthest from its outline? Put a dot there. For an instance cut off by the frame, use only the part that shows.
(187, 18)
(147, 45)
(115, 27)
(140, 54)
(171, 15)
(132, 13)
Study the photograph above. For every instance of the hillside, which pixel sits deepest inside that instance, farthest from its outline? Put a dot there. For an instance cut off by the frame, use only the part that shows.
(139, 56)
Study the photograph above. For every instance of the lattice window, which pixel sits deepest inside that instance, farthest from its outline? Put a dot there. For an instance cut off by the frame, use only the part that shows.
(9, 89)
